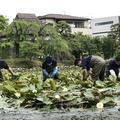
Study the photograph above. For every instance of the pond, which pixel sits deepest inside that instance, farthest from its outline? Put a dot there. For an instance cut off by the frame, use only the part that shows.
(76, 114)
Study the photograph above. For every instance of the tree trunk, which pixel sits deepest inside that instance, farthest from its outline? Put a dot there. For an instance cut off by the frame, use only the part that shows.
(17, 51)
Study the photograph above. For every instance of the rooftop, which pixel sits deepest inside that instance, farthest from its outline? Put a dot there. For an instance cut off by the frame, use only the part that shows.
(60, 16)
(26, 16)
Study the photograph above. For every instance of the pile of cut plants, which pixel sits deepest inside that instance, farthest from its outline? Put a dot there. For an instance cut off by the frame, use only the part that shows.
(69, 91)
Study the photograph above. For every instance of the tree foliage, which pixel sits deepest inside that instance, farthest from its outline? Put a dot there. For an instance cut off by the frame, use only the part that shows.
(20, 31)
(3, 23)
(53, 44)
(108, 47)
(115, 32)
(30, 50)
(31, 39)
(85, 44)
(63, 28)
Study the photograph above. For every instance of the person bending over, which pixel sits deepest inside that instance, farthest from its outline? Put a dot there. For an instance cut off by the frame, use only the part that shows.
(49, 68)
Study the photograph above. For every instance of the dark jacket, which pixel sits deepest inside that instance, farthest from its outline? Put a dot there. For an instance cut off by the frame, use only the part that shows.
(49, 66)
(111, 65)
(86, 62)
(3, 64)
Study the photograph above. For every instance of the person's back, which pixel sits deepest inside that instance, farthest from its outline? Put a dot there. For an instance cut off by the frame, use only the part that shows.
(96, 60)
(98, 67)
(97, 64)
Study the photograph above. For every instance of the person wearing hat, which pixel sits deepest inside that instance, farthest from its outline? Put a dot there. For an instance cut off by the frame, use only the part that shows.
(113, 66)
(49, 68)
(95, 63)
(4, 65)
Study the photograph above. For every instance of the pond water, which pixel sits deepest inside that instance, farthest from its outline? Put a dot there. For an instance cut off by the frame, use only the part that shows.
(78, 114)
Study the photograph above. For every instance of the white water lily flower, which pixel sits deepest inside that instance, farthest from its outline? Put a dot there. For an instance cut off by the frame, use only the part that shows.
(65, 89)
(100, 105)
(112, 72)
(34, 91)
(57, 96)
(17, 95)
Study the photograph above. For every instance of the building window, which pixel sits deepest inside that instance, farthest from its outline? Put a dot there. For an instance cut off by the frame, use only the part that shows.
(104, 23)
(70, 22)
(79, 24)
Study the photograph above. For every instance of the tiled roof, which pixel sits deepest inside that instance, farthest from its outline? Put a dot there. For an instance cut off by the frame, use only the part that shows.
(25, 15)
(60, 16)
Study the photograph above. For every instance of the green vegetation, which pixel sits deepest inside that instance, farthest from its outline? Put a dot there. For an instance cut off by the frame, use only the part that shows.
(69, 91)
(32, 40)
(24, 44)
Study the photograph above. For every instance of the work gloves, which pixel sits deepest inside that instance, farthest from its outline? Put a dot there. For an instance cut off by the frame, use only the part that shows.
(113, 76)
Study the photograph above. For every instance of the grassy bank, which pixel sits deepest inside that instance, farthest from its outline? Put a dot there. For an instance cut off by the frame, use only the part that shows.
(24, 63)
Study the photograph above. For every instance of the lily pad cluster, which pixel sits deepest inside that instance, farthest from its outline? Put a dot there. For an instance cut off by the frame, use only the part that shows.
(69, 91)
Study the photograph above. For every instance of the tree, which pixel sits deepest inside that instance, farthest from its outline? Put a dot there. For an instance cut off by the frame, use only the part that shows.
(63, 28)
(30, 50)
(33, 29)
(75, 45)
(53, 44)
(3, 23)
(108, 47)
(84, 44)
(5, 44)
(17, 33)
(113, 39)
(20, 31)
(5, 47)
(115, 32)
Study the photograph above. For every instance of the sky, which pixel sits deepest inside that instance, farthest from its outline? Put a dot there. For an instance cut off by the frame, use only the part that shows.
(81, 8)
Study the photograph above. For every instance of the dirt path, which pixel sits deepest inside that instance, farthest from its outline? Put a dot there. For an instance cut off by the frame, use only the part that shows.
(26, 114)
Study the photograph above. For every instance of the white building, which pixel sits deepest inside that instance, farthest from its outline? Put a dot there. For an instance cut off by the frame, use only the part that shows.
(78, 24)
(102, 26)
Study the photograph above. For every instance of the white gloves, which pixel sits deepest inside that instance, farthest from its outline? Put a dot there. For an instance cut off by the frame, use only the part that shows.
(112, 72)
(112, 75)
(119, 75)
